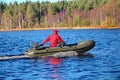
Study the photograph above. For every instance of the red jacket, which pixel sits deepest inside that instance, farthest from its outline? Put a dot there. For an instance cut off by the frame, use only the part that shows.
(53, 39)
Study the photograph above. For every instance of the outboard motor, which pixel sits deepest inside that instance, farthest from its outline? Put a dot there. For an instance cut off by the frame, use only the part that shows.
(33, 44)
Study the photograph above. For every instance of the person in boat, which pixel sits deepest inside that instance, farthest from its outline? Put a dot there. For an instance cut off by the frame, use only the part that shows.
(54, 40)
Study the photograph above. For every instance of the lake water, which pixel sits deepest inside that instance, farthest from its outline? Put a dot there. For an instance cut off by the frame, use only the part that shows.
(105, 65)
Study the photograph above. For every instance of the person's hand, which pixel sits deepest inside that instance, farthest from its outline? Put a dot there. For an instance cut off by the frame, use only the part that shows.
(64, 43)
(41, 44)
(61, 44)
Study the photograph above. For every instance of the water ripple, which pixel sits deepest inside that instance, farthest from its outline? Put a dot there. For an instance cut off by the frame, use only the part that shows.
(103, 66)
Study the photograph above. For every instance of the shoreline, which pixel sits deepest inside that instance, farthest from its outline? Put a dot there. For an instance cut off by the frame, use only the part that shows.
(27, 29)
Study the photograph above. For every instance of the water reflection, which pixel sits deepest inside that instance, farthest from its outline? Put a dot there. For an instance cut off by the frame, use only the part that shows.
(54, 66)
(54, 61)
(51, 68)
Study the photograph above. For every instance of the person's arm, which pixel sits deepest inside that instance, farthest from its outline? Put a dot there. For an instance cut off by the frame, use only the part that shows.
(61, 43)
(60, 39)
(46, 40)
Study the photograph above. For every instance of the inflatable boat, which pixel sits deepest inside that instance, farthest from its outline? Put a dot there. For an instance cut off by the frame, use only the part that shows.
(76, 49)
(79, 48)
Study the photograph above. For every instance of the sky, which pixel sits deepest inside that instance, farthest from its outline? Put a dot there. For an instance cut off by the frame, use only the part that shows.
(8, 1)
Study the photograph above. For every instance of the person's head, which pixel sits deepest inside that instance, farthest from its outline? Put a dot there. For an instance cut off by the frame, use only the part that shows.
(55, 31)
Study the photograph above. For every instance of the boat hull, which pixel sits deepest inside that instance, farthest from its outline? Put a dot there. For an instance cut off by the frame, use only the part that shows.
(47, 52)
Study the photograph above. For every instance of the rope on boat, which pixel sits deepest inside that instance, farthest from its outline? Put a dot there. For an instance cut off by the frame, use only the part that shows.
(13, 57)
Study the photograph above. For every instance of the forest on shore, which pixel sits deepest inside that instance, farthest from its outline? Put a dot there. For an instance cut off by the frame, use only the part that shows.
(64, 13)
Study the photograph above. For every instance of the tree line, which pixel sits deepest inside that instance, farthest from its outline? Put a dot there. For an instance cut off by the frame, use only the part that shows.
(71, 13)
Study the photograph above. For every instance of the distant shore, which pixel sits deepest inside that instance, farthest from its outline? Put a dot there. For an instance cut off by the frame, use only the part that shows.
(23, 29)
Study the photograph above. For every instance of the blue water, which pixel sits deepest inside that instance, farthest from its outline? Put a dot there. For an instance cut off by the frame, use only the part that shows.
(105, 65)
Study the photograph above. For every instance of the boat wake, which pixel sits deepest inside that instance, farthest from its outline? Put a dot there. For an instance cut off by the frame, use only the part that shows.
(13, 57)
(57, 55)
(65, 54)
